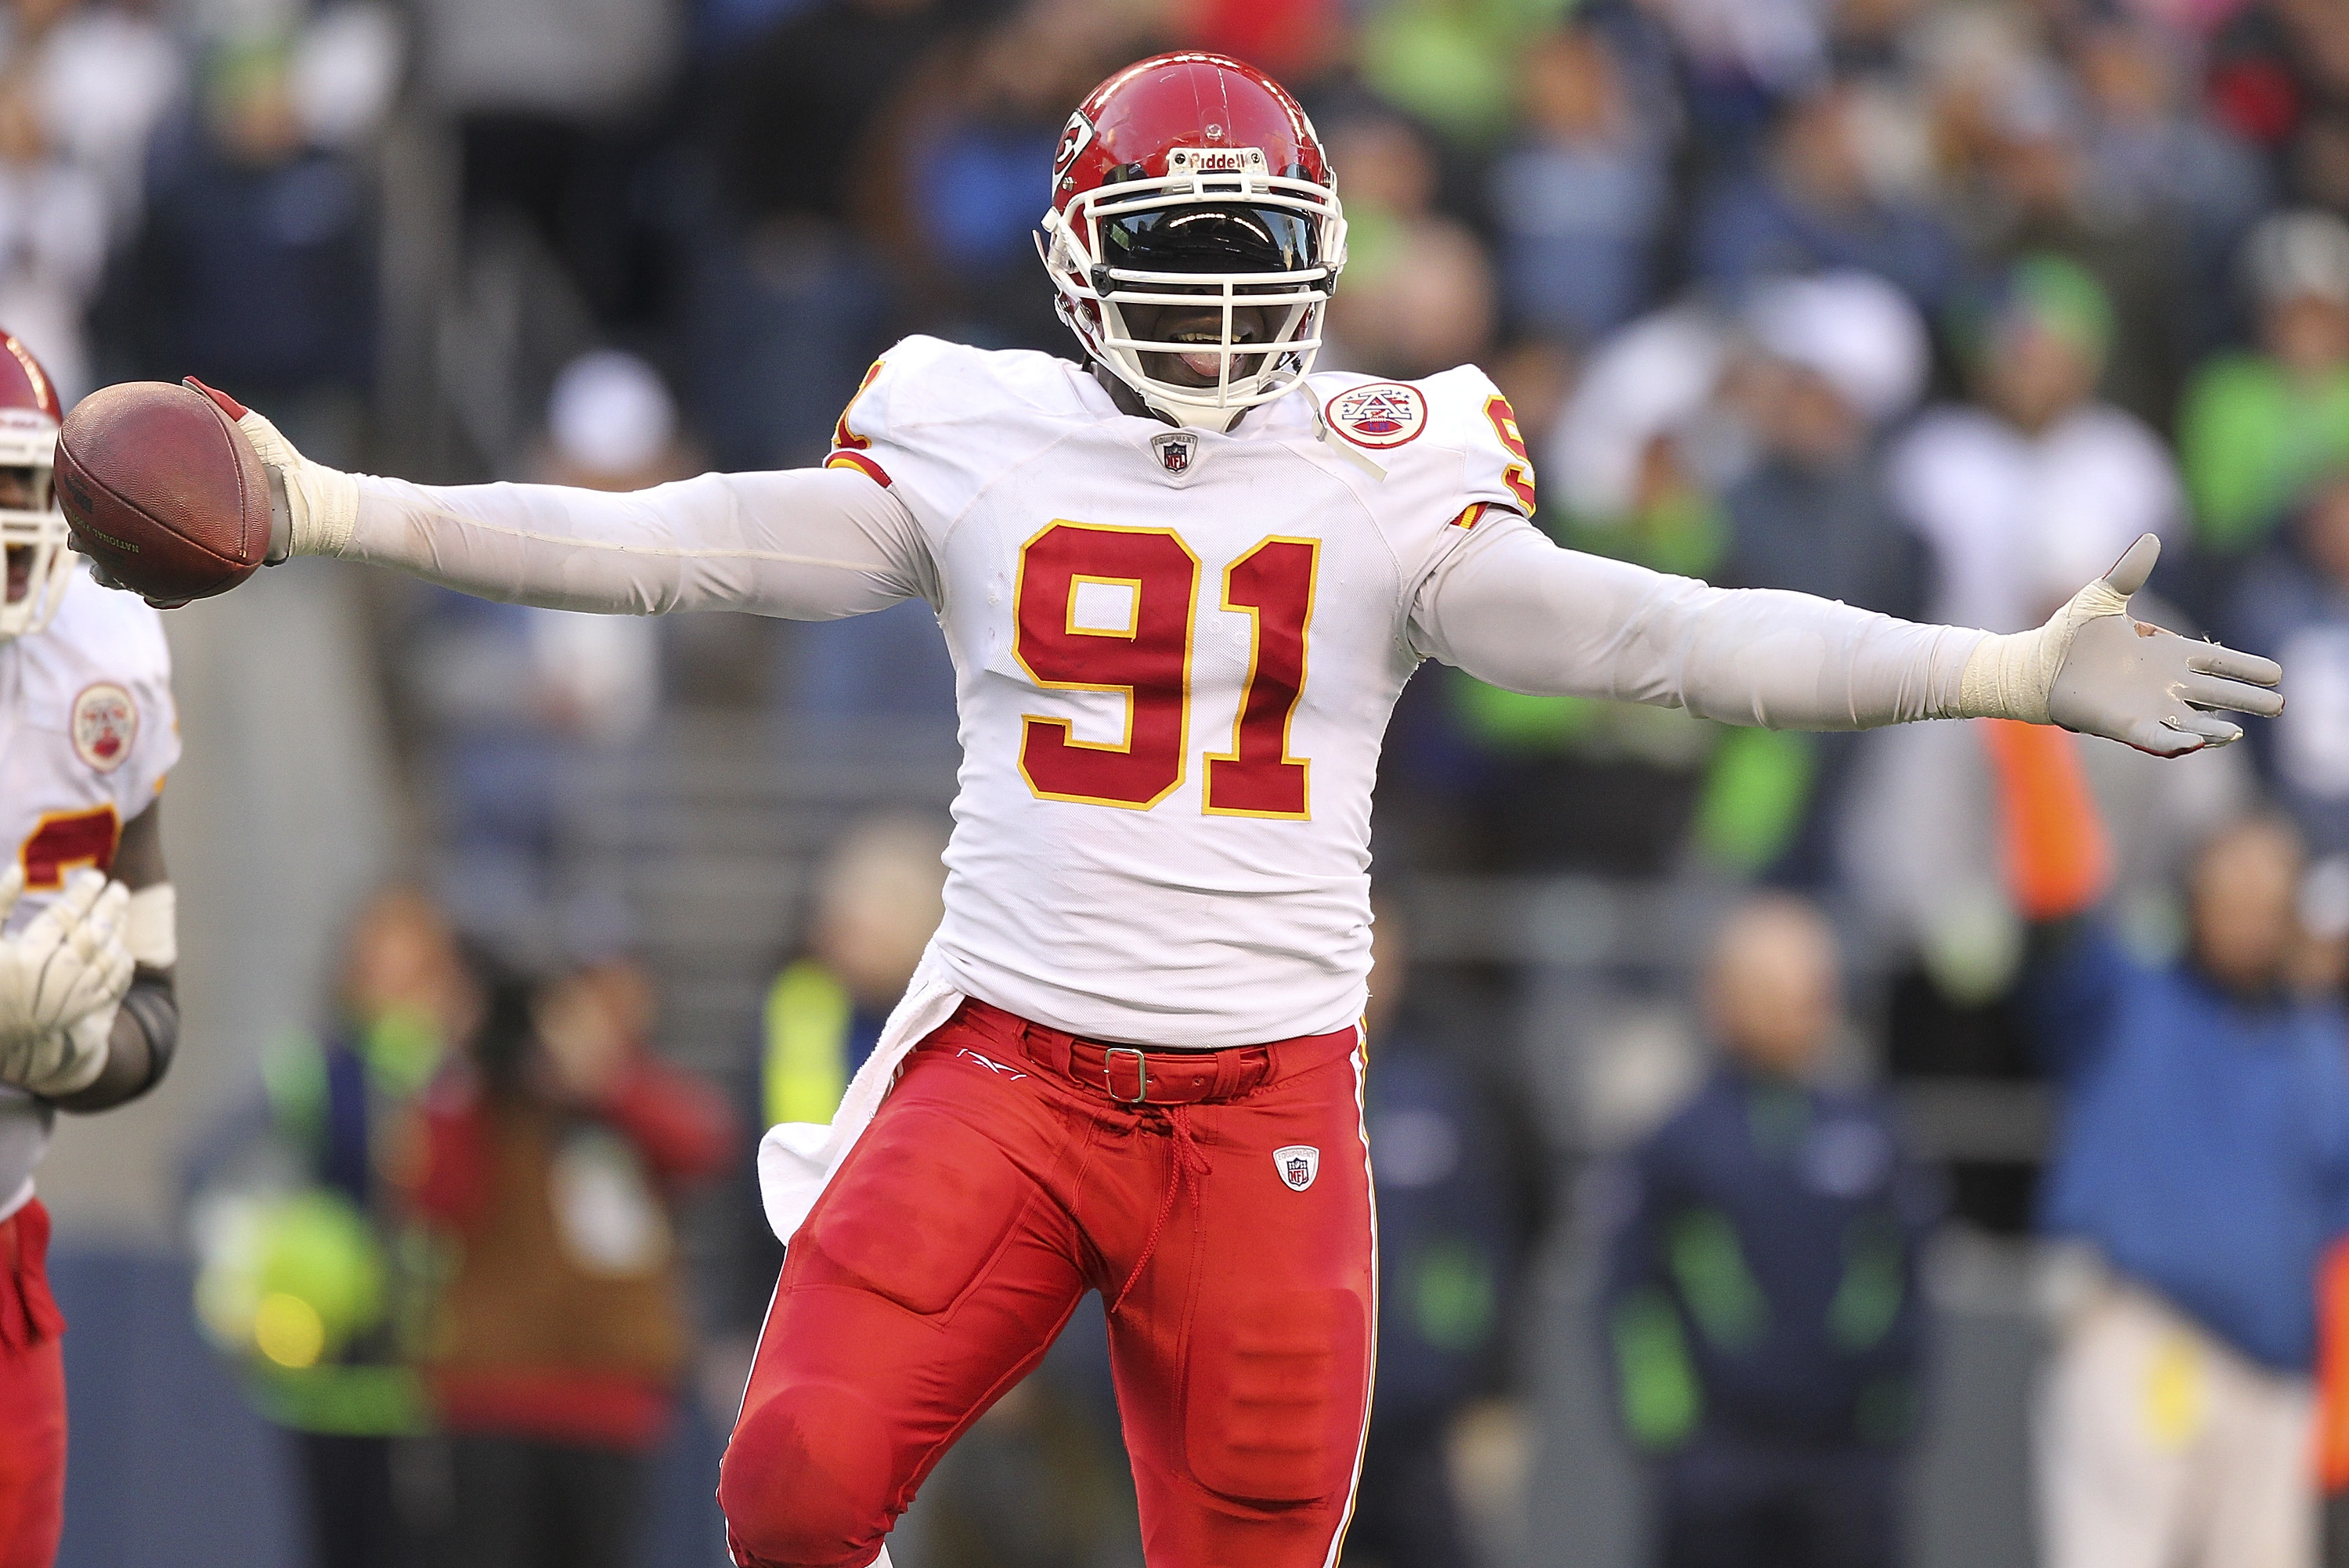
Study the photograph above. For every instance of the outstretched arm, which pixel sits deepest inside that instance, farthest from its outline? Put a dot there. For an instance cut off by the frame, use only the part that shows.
(808, 544)
(1514, 609)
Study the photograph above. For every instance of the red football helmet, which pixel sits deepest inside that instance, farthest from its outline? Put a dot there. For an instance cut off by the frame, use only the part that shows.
(1191, 179)
(38, 554)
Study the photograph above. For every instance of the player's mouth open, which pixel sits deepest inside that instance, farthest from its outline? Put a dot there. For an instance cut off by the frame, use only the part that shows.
(20, 572)
(1204, 366)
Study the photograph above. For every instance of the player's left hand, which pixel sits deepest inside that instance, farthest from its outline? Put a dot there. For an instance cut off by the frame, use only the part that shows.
(2095, 669)
(70, 962)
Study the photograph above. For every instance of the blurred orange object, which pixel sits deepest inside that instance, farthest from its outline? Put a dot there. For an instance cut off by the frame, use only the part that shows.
(2333, 1369)
(2052, 845)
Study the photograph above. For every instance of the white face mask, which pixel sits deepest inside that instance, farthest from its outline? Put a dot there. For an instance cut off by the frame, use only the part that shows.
(33, 536)
(1296, 220)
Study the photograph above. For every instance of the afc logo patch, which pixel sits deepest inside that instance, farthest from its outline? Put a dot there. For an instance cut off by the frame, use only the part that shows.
(1381, 414)
(104, 722)
(1176, 450)
(1297, 1165)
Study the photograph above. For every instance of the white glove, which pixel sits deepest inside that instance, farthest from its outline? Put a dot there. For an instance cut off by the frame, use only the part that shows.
(61, 978)
(314, 509)
(2093, 669)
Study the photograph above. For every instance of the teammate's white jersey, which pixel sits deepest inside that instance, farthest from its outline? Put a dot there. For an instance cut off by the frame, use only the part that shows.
(86, 734)
(1175, 654)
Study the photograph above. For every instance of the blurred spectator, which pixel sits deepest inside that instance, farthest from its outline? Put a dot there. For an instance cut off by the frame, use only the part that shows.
(1448, 1249)
(1811, 203)
(788, 302)
(256, 269)
(551, 1156)
(2257, 426)
(1835, 360)
(1293, 40)
(1419, 289)
(2203, 1162)
(1743, 59)
(2293, 603)
(1579, 197)
(307, 1277)
(103, 76)
(520, 702)
(2028, 188)
(1452, 64)
(1830, 363)
(1762, 1300)
(2036, 488)
(2153, 158)
(878, 896)
(53, 240)
(985, 120)
(2280, 78)
(552, 98)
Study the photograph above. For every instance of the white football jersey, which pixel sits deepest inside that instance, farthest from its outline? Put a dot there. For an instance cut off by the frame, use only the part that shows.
(1175, 654)
(86, 734)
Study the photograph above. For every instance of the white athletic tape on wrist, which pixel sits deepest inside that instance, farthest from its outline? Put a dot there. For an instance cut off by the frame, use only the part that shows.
(152, 933)
(324, 502)
(2010, 675)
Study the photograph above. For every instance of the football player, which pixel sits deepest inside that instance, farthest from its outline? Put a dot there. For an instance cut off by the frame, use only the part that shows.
(1183, 583)
(87, 945)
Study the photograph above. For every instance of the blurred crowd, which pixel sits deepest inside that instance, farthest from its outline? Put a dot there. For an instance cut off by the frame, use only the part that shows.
(1927, 305)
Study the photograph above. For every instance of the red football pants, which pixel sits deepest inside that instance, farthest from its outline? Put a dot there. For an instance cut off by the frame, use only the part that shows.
(1003, 1179)
(32, 1396)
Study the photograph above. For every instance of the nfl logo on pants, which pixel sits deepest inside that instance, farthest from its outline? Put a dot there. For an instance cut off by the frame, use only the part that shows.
(1297, 1164)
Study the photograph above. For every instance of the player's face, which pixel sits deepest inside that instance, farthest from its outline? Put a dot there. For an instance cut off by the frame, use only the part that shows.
(1202, 323)
(20, 491)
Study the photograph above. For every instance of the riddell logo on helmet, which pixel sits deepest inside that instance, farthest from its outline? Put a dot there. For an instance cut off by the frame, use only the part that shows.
(1216, 160)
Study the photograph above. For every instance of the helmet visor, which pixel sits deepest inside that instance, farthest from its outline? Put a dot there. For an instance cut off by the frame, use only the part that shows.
(1224, 237)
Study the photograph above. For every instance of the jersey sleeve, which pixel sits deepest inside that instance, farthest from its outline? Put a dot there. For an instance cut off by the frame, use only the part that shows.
(919, 426)
(1466, 414)
(1468, 464)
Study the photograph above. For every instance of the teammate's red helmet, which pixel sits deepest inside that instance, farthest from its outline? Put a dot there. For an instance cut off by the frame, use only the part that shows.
(1190, 175)
(37, 553)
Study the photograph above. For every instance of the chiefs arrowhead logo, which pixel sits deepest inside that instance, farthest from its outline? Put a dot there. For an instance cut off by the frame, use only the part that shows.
(1075, 137)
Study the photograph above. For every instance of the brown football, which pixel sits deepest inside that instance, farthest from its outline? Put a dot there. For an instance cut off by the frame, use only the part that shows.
(163, 491)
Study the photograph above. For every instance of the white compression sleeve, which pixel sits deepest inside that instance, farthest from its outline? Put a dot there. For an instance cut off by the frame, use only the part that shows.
(808, 544)
(1512, 608)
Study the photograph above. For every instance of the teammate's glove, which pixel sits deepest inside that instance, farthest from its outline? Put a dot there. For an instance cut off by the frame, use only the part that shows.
(312, 508)
(2093, 669)
(61, 978)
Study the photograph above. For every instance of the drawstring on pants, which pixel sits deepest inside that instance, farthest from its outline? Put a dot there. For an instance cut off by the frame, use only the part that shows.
(1188, 1166)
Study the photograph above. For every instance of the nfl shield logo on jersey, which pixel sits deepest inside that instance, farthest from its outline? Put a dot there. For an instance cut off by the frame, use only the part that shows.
(1175, 450)
(1297, 1164)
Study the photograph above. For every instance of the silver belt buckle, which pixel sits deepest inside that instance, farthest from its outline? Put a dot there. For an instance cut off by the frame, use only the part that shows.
(1141, 1074)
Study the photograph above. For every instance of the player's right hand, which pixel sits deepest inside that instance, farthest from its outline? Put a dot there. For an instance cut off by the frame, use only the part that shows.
(312, 508)
(71, 960)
